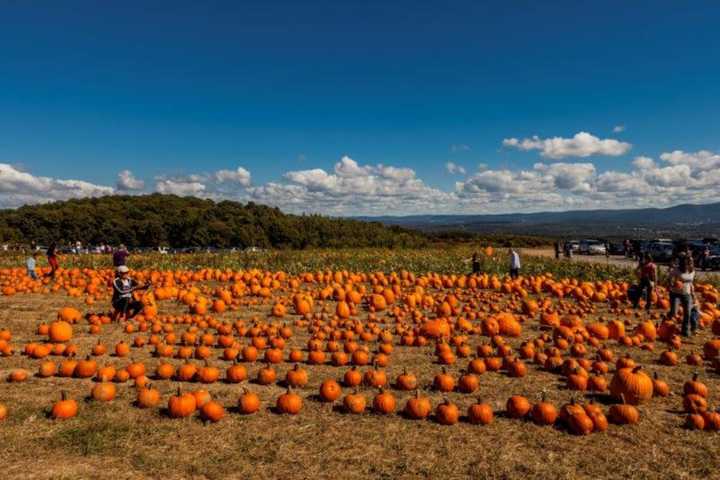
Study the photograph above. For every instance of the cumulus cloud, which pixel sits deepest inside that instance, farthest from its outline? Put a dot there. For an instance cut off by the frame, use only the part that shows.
(618, 128)
(353, 188)
(19, 188)
(180, 187)
(240, 176)
(126, 181)
(454, 169)
(581, 145)
(700, 161)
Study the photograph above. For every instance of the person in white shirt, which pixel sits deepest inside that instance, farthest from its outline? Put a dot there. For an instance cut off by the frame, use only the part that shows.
(31, 265)
(514, 263)
(682, 289)
(123, 302)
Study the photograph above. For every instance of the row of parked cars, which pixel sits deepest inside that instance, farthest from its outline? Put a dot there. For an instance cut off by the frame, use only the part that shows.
(705, 252)
(588, 247)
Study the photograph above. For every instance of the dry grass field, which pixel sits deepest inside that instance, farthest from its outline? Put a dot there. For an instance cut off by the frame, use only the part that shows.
(118, 440)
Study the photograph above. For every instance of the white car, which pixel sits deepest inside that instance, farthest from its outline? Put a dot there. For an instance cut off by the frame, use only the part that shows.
(596, 249)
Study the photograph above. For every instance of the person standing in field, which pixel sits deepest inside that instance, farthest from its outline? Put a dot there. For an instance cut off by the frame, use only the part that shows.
(31, 265)
(647, 273)
(475, 264)
(52, 259)
(120, 256)
(514, 263)
(682, 289)
(705, 258)
(557, 250)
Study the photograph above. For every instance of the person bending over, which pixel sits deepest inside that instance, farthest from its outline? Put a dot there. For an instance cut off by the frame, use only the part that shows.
(123, 302)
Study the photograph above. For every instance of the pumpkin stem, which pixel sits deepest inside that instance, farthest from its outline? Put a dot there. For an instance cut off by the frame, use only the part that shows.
(63, 395)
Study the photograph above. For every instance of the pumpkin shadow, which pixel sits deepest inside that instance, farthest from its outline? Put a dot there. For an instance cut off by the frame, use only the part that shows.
(315, 397)
(407, 416)
(602, 398)
(164, 412)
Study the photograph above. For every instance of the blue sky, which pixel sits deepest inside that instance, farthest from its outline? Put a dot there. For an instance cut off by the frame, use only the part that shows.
(176, 92)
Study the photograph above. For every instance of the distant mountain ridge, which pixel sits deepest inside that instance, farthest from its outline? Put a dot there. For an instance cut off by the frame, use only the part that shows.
(678, 221)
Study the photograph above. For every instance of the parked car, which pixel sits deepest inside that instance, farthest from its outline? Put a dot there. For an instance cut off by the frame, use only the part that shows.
(591, 247)
(574, 245)
(617, 248)
(713, 262)
(661, 251)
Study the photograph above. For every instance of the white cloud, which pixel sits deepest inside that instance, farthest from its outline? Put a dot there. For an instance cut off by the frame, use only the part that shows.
(454, 169)
(240, 176)
(126, 181)
(699, 161)
(582, 145)
(576, 177)
(618, 128)
(352, 188)
(19, 188)
(180, 187)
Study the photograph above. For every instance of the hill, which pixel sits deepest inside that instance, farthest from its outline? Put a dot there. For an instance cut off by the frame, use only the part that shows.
(676, 222)
(152, 220)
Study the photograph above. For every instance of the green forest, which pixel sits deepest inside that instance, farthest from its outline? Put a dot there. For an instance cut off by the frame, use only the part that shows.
(169, 220)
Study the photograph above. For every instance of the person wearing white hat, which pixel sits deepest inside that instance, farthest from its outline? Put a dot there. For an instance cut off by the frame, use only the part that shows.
(122, 300)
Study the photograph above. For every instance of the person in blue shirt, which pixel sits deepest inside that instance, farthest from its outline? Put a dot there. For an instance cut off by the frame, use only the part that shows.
(31, 264)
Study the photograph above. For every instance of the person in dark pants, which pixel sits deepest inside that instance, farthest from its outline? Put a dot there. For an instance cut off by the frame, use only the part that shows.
(647, 273)
(475, 264)
(123, 302)
(514, 263)
(705, 258)
(52, 259)
(557, 250)
(682, 289)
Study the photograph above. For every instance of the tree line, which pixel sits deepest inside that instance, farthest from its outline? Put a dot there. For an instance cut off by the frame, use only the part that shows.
(170, 220)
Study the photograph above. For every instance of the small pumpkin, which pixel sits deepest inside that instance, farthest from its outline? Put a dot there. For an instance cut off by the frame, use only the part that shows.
(103, 392)
(480, 413)
(384, 402)
(447, 413)
(330, 391)
(147, 397)
(212, 411)
(418, 407)
(517, 406)
(289, 403)
(354, 403)
(248, 403)
(182, 405)
(64, 408)
(544, 412)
